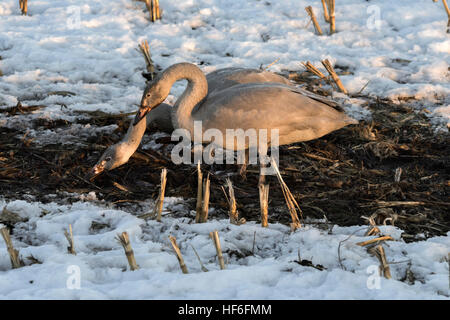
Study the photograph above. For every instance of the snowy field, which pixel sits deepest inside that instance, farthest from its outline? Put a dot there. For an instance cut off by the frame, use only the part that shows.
(88, 48)
(260, 261)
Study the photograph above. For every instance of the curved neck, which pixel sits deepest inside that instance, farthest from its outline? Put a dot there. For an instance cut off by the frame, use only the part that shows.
(195, 92)
(133, 137)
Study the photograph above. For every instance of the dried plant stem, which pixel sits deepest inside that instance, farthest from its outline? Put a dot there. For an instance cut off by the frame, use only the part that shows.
(69, 237)
(264, 203)
(448, 14)
(158, 10)
(309, 66)
(332, 16)
(310, 12)
(13, 253)
(148, 4)
(325, 11)
(275, 61)
(215, 237)
(378, 251)
(231, 199)
(159, 202)
(145, 50)
(290, 200)
(365, 243)
(326, 63)
(198, 207)
(23, 6)
(205, 205)
(153, 16)
(124, 240)
(183, 267)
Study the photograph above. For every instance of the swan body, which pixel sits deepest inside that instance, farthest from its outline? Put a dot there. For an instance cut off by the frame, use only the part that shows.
(297, 114)
(161, 117)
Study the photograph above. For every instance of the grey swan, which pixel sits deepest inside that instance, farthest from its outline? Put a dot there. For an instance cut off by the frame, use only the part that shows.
(297, 114)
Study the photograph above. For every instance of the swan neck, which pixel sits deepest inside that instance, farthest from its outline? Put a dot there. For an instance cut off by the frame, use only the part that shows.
(134, 136)
(196, 90)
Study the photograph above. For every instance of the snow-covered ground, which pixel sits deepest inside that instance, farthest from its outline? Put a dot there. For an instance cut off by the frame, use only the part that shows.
(260, 261)
(399, 49)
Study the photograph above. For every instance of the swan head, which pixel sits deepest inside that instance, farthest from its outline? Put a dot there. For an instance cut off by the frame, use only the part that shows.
(113, 157)
(154, 95)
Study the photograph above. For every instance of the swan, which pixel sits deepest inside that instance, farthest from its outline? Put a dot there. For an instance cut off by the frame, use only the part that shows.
(299, 115)
(161, 118)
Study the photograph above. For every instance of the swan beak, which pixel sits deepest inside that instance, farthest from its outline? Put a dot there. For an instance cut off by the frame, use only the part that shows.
(141, 114)
(94, 172)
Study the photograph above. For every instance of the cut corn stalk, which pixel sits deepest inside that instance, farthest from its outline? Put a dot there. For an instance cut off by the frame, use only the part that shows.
(378, 251)
(124, 240)
(264, 203)
(16, 262)
(198, 207)
(326, 16)
(23, 6)
(371, 241)
(69, 237)
(310, 12)
(215, 237)
(326, 63)
(145, 50)
(173, 241)
(160, 201)
(311, 68)
(205, 205)
(332, 16)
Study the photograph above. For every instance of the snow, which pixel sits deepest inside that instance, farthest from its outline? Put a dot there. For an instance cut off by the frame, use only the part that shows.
(263, 270)
(88, 47)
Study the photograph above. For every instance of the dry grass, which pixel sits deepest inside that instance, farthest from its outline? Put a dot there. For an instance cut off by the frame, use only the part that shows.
(231, 199)
(145, 50)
